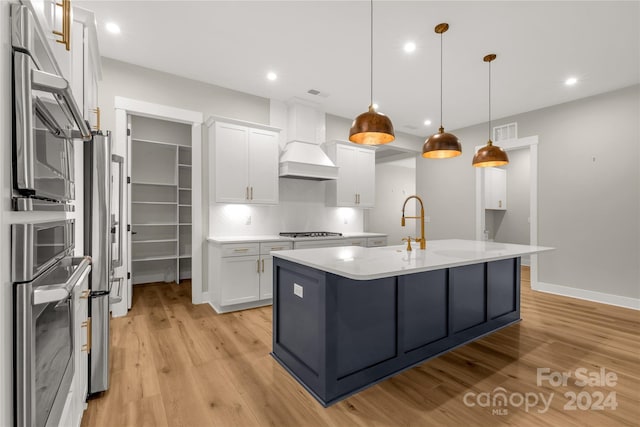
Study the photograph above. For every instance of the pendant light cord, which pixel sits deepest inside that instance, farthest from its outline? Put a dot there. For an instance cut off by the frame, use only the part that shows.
(371, 57)
(489, 100)
(441, 80)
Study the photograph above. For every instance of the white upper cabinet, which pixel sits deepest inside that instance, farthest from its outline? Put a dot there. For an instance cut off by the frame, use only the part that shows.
(263, 166)
(246, 163)
(495, 189)
(355, 186)
(73, 40)
(87, 67)
(231, 163)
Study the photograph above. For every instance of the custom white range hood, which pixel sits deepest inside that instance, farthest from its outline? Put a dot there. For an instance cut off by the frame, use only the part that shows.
(302, 156)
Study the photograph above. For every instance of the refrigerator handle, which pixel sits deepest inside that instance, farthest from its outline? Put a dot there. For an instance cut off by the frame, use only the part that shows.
(116, 227)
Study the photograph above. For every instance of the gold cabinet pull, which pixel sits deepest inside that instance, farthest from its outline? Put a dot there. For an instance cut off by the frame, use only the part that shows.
(258, 266)
(241, 250)
(65, 34)
(87, 324)
(97, 112)
(247, 193)
(251, 198)
(263, 266)
(85, 294)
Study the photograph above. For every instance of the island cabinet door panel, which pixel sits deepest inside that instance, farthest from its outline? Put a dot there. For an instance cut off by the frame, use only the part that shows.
(423, 308)
(300, 318)
(365, 323)
(502, 280)
(467, 296)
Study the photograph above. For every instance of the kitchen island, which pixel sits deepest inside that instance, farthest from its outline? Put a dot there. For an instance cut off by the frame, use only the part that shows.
(346, 318)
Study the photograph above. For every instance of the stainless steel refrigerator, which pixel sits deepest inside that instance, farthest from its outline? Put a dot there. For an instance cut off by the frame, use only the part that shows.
(99, 230)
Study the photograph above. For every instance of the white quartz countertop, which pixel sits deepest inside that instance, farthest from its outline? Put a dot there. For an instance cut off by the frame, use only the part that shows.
(276, 238)
(361, 263)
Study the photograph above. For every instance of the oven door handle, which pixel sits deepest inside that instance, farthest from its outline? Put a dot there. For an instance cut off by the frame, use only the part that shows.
(62, 291)
(47, 82)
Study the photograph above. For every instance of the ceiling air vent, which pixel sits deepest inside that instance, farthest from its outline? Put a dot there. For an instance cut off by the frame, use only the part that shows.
(316, 92)
(508, 131)
(412, 127)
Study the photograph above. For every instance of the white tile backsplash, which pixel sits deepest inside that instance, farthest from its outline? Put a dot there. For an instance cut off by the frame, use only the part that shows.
(302, 208)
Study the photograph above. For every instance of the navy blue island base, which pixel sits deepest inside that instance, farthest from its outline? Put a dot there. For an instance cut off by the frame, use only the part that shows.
(338, 336)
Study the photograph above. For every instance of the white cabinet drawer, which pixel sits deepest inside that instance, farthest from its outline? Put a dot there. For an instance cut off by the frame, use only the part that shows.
(376, 241)
(356, 241)
(240, 249)
(330, 243)
(266, 248)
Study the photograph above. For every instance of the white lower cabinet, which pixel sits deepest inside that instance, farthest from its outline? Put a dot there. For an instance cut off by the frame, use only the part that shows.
(240, 280)
(242, 274)
(373, 242)
(76, 401)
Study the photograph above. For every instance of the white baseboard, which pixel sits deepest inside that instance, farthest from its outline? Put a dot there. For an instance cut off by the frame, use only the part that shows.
(243, 306)
(204, 298)
(567, 291)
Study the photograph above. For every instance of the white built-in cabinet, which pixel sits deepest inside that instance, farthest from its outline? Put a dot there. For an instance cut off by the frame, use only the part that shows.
(79, 59)
(241, 274)
(355, 186)
(245, 159)
(160, 200)
(82, 325)
(495, 189)
(76, 400)
(87, 68)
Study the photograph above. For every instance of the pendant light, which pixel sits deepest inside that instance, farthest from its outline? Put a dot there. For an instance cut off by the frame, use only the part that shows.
(442, 144)
(371, 127)
(490, 155)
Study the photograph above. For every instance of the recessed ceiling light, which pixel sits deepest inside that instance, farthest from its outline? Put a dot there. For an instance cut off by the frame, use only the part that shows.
(409, 47)
(571, 81)
(112, 27)
(272, 76)
(427, 122)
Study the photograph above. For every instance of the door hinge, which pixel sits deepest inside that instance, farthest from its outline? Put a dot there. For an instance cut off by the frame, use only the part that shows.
(128, 275)
(128, 227)
(128, 132)
(128, 180)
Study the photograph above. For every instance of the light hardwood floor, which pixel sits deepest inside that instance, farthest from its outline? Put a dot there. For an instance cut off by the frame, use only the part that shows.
(176, 364)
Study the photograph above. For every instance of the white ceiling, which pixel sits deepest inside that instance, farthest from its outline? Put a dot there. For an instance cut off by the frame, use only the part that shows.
(324, 45)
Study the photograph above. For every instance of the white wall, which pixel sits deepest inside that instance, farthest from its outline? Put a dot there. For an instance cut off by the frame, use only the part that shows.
(144, 84)
(588, 193)
(395, 181)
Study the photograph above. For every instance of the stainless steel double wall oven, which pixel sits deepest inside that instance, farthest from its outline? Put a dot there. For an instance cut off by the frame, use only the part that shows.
(46, 121)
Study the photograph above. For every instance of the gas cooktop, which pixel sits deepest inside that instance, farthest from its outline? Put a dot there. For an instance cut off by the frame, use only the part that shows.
(295, 234)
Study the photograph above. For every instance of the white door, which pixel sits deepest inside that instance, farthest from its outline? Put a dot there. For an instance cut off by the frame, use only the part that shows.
(366, 179)
(263, 166)
(231, 163)
(240, 279)
(347, 175)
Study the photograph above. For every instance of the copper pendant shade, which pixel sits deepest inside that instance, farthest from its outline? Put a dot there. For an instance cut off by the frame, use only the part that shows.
(490, 155)
(371, 127)
(441, 145)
